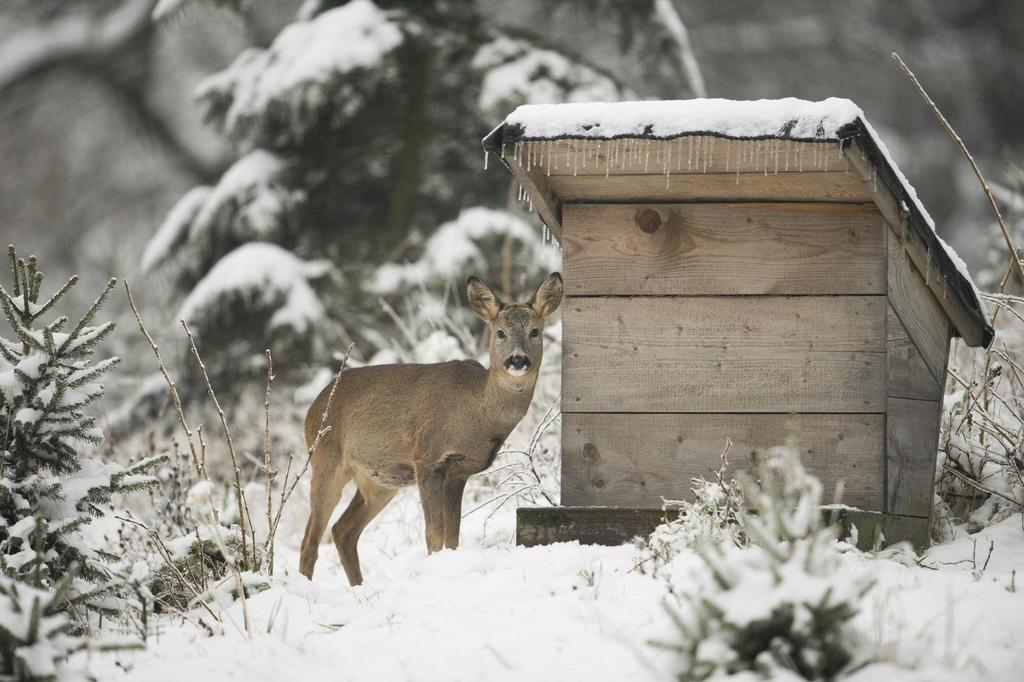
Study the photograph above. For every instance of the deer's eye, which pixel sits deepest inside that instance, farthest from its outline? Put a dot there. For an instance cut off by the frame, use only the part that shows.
(534, 333)
(501, 333)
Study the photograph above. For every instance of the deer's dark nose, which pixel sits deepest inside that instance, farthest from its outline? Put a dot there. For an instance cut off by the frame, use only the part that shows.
(518, 362)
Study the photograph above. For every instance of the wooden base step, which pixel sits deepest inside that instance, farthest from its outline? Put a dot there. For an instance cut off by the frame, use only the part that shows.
(618, 525)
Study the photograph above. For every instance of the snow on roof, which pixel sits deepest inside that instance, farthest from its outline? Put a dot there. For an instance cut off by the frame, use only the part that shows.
(833, 120)
(789, 118)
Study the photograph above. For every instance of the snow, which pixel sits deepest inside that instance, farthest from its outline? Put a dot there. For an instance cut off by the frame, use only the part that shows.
(1006, 539)
(265, 273)
(27, 415)
(23, 528)
(165, 8)
(174, 228)
(788, 118)
(32, 365)
(95, 473)
(243, 186)
(516, 72)
(200, 499)
(304, 58)
(493, 611)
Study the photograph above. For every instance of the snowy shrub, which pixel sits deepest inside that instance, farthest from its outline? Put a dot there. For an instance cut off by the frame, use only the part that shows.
(517, 72)
(49, 493)
(473, 243)
(980, 477)
(778, 606)
(198, 564)
(35, 634)
(323, 69)
(266, 290)
(711, 518)
(253, 201)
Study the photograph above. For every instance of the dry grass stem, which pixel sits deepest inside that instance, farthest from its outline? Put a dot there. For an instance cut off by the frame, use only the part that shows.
(198, 462)
(1015, 259)
(243, 505)
(268, 473)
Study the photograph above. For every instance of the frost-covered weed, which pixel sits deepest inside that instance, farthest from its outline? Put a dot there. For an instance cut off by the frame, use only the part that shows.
(980, 476)
(712, 517)
(779, 606)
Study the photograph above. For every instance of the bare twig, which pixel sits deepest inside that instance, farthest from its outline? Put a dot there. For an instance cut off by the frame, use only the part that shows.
(981, 486)
(268, 475)
(974, 166)
(323, 429)
(243, 506)
(991, 546)
(198, 462)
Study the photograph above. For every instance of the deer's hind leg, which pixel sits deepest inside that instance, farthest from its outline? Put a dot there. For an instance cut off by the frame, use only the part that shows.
(325, 490)
(369, 500)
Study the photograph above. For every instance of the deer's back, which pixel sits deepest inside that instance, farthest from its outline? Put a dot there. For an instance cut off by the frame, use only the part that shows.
(384, 413)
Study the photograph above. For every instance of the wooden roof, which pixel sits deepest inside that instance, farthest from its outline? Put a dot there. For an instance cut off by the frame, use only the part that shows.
(834, 159)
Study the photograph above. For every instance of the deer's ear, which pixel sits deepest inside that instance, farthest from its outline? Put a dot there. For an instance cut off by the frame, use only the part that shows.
(482, 300)
(548, 296)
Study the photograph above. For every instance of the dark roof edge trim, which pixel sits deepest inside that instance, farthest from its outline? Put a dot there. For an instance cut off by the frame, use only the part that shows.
(511, 133)
(962, 288)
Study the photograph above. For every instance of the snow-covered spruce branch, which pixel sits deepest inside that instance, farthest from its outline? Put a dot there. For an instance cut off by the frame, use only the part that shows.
(772, 604)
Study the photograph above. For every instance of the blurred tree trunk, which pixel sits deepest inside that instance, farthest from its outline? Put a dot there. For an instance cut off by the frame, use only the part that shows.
(414, 135)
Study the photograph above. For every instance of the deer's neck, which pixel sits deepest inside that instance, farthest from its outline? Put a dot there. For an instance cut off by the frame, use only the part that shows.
(507, 398)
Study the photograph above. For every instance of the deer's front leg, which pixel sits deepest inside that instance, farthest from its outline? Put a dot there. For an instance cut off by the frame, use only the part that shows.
(453, 488)
(431, 484)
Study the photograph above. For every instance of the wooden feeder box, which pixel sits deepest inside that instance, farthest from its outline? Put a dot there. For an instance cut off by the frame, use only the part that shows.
(750, 271)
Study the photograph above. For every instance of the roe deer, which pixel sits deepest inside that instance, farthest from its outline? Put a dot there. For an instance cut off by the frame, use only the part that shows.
(434, 425)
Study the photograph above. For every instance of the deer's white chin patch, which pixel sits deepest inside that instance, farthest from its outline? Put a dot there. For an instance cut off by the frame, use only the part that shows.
(516, 371)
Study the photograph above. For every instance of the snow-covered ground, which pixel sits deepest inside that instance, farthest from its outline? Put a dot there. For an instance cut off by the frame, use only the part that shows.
(494, 611)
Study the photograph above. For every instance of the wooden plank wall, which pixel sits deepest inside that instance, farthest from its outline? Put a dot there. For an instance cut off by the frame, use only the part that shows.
(642, 459)
(724, 249)
(751, 322)
(918, 339)
(776, 302)
(724, 354)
